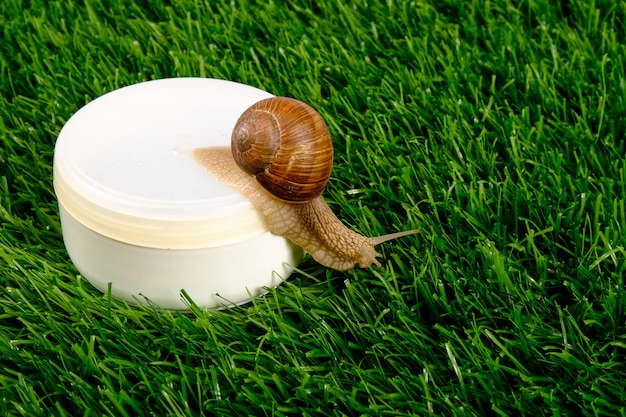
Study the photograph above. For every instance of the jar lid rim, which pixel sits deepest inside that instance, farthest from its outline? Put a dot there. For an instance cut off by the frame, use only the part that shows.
(123, 164)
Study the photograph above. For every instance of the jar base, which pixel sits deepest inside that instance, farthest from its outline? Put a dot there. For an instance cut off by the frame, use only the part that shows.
(214, 277)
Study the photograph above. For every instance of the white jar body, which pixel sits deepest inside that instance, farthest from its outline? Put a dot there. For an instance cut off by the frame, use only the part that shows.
(141, 216)
(213, 277)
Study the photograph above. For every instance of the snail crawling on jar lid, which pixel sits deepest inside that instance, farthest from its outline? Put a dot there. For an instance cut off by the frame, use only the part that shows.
(281, 157)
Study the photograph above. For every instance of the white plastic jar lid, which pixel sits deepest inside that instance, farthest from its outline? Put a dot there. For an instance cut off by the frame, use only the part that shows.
(123, 165)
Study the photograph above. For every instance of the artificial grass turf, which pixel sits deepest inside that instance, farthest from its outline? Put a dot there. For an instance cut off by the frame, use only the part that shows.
(497, 128)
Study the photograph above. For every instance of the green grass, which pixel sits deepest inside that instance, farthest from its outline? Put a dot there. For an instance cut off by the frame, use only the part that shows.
(495, 127)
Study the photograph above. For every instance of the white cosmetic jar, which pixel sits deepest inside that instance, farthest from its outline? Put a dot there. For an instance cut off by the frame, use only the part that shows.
(140, 216)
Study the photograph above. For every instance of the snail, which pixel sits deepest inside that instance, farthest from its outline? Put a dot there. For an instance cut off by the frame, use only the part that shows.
(281, 158)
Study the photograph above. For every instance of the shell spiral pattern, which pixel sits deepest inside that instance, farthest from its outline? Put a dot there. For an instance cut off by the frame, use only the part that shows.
(286, 145)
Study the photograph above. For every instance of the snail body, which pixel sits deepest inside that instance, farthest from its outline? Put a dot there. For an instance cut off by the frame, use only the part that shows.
(280, 159)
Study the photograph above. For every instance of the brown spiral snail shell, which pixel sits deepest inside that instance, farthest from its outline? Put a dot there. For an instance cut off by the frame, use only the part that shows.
(284, 145)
